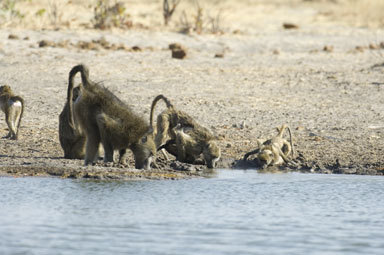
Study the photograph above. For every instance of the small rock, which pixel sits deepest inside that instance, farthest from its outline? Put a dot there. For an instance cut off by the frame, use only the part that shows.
(136, 48)
(46, 43)
(174, 46)
(179, 53)
(290, 26)
(328, 48)
(275, 52)
(219, 55)
(13, 37)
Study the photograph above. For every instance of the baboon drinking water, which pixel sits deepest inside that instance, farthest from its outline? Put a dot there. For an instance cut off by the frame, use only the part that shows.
(71, 139)
(189, 144)
(182, 136)
(274, 151)
(13, 107)
(105, 118)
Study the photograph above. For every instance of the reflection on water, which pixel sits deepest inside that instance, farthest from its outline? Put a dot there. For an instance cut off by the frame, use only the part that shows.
(238, 212)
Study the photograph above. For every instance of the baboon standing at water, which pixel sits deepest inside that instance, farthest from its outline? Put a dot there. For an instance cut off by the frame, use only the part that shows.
(13, 107)
(106, 119)
(71, 139)
(185, 145)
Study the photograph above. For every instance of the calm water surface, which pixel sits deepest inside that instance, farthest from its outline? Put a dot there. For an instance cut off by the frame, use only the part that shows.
(237, 212)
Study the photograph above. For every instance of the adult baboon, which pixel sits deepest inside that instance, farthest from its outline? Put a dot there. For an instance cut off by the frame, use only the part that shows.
(274, 151)
(170, 127)
(189, 144)
(106, 119)
(71, 139)
(13, 107)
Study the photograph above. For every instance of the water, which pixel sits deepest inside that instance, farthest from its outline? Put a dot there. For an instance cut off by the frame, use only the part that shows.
(237, 212)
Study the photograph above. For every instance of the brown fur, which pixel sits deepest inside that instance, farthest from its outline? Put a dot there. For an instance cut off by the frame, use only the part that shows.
(186, 146)
(71, 139)
(274, 151)
(105, 118)
(13, 113)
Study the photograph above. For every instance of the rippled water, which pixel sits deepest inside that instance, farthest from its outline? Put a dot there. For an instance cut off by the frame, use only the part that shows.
(237, 212)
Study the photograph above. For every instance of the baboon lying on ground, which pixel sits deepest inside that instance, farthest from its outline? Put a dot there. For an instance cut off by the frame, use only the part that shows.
(13, 107)
(182, 136)
(274, 151)
(71, 139)
(104, 118)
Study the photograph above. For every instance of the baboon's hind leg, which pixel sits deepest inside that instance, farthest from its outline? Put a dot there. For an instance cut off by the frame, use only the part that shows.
(11, 125)
(123, 156)
(92, 147)
(108, 151)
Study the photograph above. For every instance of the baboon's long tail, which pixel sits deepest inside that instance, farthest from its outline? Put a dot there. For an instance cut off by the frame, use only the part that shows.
(85, 82)
(154, 102)
(290, 141)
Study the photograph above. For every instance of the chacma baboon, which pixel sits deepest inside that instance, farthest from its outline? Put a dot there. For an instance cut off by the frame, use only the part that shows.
(71, 139)
(188, 145)
(105, 118)
(274, 151)
(170, 135)
(13, 107)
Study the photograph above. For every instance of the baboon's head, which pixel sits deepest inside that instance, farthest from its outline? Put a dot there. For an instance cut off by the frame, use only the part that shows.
(265, 157)
(144, 152)
(5, 89)
(211, 154)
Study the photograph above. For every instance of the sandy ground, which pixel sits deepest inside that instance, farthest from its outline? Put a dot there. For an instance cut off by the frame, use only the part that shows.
(332, 99)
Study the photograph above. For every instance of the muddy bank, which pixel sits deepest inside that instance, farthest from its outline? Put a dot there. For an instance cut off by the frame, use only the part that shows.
(102, 172)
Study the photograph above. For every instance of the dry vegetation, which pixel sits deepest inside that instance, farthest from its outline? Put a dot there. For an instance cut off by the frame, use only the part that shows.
(199, 16)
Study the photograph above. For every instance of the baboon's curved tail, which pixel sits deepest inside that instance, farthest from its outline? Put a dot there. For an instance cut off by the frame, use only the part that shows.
(154, 102)
(83, 69)
(281, 132)
(290, 141)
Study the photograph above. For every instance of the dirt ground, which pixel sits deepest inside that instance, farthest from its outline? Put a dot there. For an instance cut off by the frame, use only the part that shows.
(324, 78)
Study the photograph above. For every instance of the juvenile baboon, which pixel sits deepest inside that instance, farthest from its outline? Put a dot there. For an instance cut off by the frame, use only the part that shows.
(13, 107)
(71, 139)
(105, 118)
(182, 136)
(274, 151)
